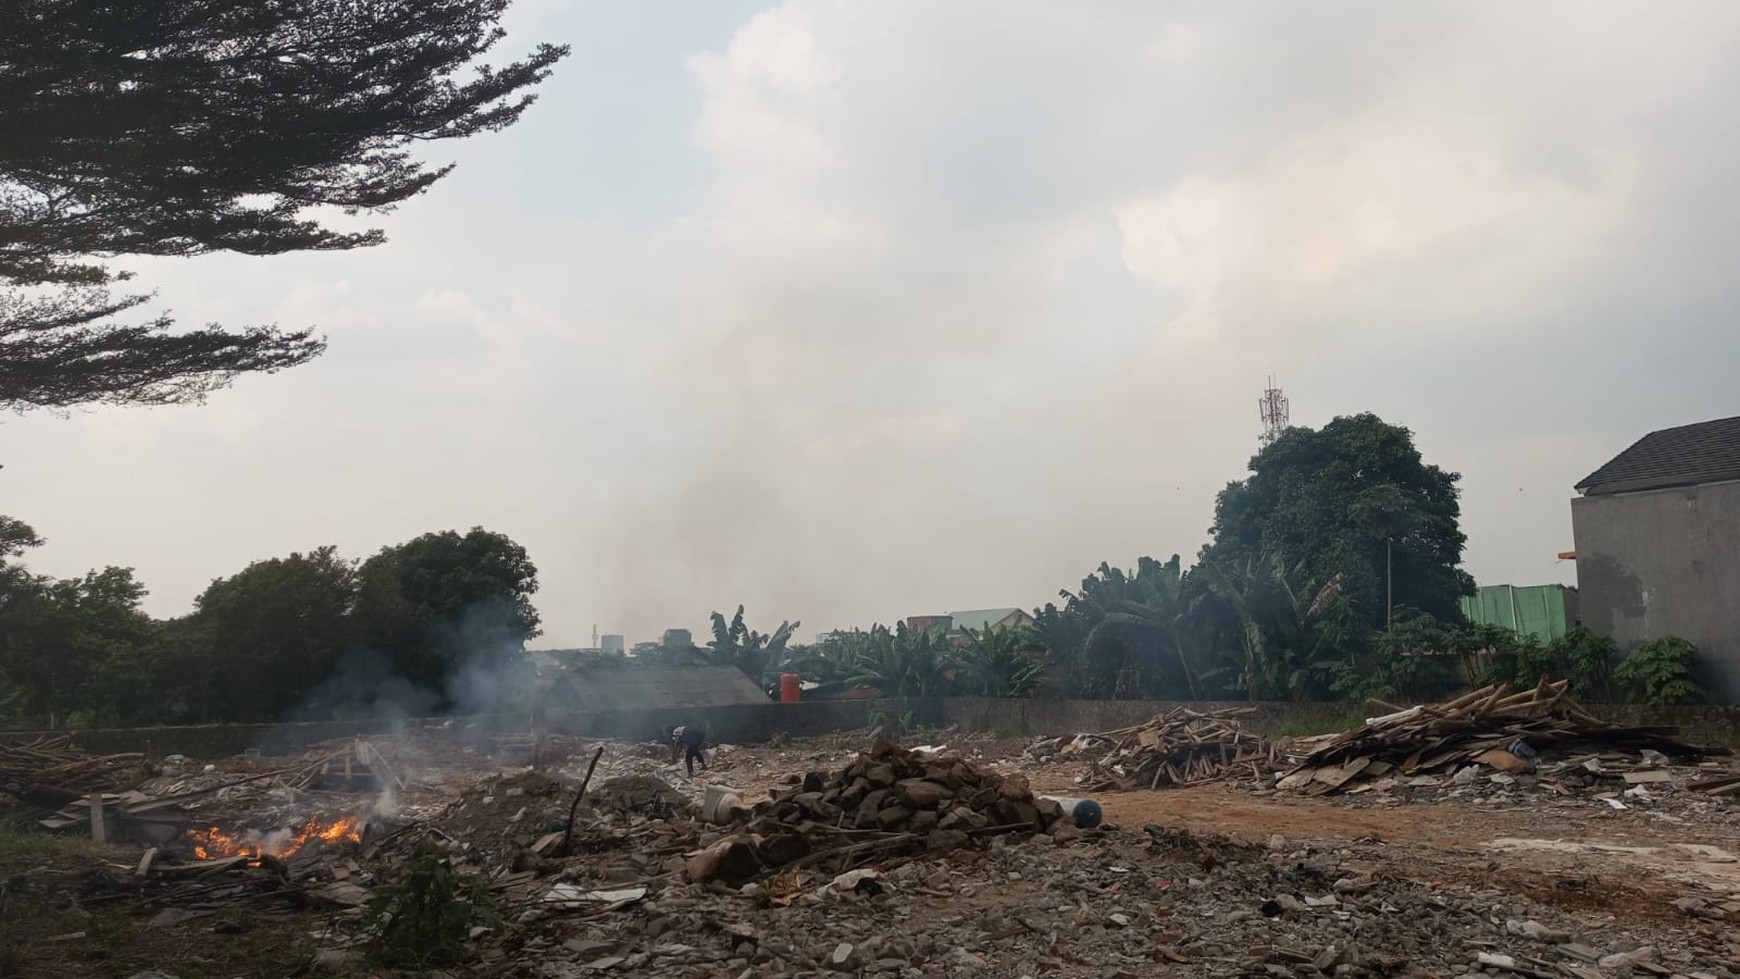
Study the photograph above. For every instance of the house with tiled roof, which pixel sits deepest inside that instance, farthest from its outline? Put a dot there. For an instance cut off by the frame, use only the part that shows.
(1657, 531)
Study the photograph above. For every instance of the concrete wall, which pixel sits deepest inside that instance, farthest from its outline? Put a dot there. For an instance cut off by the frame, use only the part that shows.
(1661, 563)
(749, 724)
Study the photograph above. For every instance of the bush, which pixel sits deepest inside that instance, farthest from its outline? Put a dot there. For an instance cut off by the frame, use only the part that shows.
(425, 917)
(1660, 672)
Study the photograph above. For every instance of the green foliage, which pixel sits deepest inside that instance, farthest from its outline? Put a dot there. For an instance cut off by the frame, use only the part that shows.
(1411, 660)
(1660, 672)
(274, 631)
(759, 656)
(19, 837)
(424, 917)
(55, 635)
(1132, 634)
(1523, 661)
(1354, 500)
(184, 127)
(436, 601)
(900, 662)
(1291, 628)
(999, 662)
(260, 642)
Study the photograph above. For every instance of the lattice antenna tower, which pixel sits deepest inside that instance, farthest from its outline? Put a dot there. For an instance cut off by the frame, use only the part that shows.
(1273, 408)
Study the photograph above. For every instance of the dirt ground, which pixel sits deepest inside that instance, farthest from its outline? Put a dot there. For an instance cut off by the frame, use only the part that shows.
(1188, 878)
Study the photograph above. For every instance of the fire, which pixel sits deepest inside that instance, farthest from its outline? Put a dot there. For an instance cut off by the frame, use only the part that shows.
(212, 843)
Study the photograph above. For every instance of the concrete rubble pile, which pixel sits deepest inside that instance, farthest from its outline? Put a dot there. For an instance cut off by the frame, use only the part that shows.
(1181, 747)
(1492, 729)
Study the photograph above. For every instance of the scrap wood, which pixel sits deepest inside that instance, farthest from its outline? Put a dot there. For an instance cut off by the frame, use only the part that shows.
(1473, 728)
(55, 761)
(1717, 784)
(1180, 747)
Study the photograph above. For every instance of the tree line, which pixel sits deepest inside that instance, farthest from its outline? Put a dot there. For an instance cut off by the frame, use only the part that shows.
(438, 622)
(1333, 571)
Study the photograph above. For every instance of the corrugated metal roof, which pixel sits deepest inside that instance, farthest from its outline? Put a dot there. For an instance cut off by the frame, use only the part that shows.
(1708, 452)
(614, 688)
(980, 619)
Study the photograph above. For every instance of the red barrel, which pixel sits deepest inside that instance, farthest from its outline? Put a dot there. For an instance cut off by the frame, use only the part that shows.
(788, 688)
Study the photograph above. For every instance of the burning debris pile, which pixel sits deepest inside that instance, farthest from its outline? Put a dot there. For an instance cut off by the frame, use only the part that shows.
(1489, 729)
(212, 843)
(1181, 747)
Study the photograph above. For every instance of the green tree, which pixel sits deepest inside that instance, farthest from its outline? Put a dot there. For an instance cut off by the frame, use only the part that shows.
(277, 628)
(999, 662)
(446, 600)
(183, 127)
(55, 635)
(758, 655)
(901, 662)
(1289, 628)
(1353, 499)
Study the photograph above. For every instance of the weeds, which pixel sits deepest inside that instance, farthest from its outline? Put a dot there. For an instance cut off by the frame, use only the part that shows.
(425, 917)
(19, 838)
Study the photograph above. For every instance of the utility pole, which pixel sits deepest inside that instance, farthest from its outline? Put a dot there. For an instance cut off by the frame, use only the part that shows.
(1389, 584)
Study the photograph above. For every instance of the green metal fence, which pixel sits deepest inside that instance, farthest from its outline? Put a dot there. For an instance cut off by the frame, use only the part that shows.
(1546, 612)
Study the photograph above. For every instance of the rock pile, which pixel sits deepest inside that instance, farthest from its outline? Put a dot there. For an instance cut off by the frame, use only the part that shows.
(888, 803)
(895, 789)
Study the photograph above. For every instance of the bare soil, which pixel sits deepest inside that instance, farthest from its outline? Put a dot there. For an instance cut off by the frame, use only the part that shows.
(1220, 879)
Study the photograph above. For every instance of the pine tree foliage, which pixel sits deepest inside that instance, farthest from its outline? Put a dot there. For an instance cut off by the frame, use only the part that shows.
(185, 127)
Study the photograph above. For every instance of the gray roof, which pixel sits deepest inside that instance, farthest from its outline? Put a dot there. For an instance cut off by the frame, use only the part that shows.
(1690, 455)
(617, 688)
(980, 619)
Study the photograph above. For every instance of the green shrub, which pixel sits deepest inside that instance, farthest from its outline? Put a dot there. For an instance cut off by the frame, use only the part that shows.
(426, 916)
(1660, 672)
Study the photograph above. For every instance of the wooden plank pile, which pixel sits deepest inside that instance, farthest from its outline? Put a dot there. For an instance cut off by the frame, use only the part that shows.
(352, 765)
(56, 762)
(1487, 727)
(1182, 747)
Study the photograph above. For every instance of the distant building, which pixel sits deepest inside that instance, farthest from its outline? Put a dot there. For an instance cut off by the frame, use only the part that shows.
(677, 639)
(978, 620)
(1657, 532)
(957, 624)
(612, 644)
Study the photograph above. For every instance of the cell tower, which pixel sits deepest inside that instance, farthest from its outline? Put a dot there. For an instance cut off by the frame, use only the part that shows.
(1273, 408)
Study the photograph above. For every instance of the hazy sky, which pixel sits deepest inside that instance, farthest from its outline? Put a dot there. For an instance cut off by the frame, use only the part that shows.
(851, 311)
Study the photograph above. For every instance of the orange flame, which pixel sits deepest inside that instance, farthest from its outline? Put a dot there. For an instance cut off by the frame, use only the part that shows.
(212, 843)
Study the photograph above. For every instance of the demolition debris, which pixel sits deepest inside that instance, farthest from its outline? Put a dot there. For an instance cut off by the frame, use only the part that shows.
(1491, 728)
(1181, 747)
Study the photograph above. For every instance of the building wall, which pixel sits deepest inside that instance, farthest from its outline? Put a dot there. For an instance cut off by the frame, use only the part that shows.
(1661, 563)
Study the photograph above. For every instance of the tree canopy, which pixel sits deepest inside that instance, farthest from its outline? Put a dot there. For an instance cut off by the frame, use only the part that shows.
(185, 127)
(283, 638)
(1349, 499)
(439, 600)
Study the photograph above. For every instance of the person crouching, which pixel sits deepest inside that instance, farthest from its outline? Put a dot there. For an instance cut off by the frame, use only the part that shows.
(687, 740)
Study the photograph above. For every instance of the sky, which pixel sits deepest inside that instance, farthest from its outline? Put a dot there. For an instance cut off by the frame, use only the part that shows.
(851, 311)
